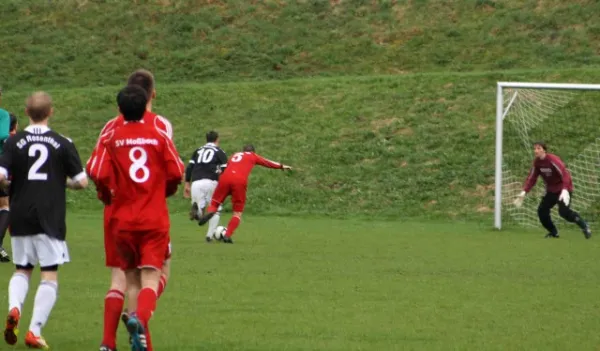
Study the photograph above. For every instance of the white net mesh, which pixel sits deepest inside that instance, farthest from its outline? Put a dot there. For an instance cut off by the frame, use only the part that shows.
(567, 120)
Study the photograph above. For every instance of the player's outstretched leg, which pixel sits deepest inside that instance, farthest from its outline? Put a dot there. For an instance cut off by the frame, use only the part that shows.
(573, 217)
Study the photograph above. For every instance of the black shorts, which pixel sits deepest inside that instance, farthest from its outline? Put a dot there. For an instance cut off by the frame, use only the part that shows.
(3, 192)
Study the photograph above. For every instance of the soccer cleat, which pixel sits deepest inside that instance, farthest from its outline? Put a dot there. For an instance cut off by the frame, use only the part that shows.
(206, 218)
(227, 240)
(552, 235)
(36, 342)
(137, 335)
(125, 318)
(12, 322)
(194, 212)
(208, 239)
(4, 257)
(106, 348)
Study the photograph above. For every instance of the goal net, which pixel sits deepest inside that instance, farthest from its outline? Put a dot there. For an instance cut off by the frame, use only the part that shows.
(567, 118)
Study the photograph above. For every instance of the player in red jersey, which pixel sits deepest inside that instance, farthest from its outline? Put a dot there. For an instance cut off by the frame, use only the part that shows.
(234, 182)
(141, 167)
(559, 189)
(115, 297)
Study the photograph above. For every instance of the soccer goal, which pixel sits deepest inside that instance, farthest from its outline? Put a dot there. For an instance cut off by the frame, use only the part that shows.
(567, 118)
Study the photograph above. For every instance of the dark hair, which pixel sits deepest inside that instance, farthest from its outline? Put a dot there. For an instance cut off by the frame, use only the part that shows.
(212, 136)
(132, 102)
(542, 144)
(249, 148)
(144, 79)
(13, 122)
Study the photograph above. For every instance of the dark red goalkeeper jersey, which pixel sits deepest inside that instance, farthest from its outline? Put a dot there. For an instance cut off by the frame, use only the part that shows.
(142, 167)
(241, 164)
(553, 172)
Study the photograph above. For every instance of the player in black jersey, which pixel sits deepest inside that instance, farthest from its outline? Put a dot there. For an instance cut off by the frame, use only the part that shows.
(42, 164)
(201, 177)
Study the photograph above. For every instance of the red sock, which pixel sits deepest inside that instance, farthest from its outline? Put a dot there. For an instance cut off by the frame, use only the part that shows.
(162, 284)
(113, 306)
(234, 222)
(148, 340)
(212, 207)
(146, 305)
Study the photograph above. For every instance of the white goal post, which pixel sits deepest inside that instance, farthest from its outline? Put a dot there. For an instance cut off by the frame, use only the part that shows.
(528, 106)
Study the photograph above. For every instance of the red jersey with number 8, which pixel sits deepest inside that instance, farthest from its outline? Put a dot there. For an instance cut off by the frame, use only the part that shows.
(142, 167)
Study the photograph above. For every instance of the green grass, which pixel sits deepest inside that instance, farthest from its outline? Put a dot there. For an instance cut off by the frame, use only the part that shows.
(391, 147)
(359, 98)
(99, 42)
(309, 284)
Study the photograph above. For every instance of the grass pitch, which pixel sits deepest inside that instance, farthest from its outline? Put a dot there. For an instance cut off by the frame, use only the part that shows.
(319, 284)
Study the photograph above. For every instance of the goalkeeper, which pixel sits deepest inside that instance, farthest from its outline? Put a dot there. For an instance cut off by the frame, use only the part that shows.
(559, 188)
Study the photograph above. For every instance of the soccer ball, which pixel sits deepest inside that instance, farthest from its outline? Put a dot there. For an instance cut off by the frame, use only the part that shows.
(220, 232)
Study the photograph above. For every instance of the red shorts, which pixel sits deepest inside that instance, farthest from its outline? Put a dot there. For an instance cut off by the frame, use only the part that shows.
(110, 247)
(111, 252)
(235, 189)
(142, 249)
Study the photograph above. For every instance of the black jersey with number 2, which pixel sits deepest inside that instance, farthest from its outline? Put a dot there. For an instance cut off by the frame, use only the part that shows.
(39, 161)
(207, 162)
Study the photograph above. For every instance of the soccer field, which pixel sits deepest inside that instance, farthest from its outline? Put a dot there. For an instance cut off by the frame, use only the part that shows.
(318, 284)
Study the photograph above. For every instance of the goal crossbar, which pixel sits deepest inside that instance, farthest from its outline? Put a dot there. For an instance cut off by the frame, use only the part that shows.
(500, 114)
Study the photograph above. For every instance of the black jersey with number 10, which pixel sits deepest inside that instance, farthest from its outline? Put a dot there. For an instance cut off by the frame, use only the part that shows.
(39, 160)
(207, 162)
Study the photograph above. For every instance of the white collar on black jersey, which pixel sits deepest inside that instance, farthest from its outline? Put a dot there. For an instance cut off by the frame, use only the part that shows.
(37, 129)
(210, 144)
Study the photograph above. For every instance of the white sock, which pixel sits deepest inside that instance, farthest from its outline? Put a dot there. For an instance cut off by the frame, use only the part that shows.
(17, 291)
(213, 223)
(44, 302)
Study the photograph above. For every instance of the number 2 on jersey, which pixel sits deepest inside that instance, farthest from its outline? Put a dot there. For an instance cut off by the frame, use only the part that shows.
(138, 164)
(41, 151)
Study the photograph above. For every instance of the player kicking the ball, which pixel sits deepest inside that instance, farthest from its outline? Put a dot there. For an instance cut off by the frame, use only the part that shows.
(234, 182)
(142, 167)
(559, 188)
(201, 179)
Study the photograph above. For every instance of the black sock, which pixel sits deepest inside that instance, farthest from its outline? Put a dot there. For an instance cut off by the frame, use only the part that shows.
(580, 222)
(3, 225)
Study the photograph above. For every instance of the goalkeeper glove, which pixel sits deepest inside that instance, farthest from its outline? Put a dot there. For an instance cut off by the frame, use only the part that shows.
(564, 197)
(519, 200)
